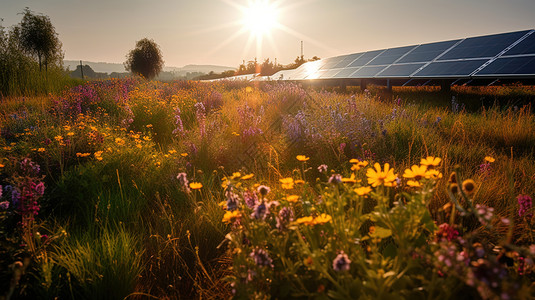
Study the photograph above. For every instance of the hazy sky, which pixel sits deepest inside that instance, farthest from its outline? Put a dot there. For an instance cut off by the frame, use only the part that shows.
(210, 31)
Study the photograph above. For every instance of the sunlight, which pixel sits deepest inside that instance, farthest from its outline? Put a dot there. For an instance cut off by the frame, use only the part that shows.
(260, 17)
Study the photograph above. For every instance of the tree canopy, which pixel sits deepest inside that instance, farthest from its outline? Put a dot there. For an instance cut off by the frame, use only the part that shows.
(39, 38)
(146, 59)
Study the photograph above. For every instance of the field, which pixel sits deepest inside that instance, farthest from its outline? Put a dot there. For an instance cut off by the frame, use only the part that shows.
(141, 190)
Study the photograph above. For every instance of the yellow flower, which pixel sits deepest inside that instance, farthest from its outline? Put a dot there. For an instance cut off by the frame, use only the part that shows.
(149, 125)
(287, 183)
(248, 176)
(172, 151)
(2, 165)
(146, 138)
(230, 216)
(489, 159)
(413, 183)
(416, 172)
(377, 177)
(292, 198)
(248, 89)
(299, 181)
(364, 190)
(431, 161)
(119, 141)
(70, 133)
(82, 154)
(357, 164)
(183, 154)
(302, 158)
(306, 220)
(433, 174)
(98, 155)
(322, 219)
(67, 127)
(58, 138)
(350, 179)
(195, 185)
(235, 133)
(41, 150)
(469, 186)
(235, 175)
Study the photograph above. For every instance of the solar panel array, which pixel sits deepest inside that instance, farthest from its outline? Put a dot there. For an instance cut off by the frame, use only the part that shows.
(509, 54)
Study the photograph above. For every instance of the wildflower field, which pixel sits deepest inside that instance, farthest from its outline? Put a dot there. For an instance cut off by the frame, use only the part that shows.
(134, 189)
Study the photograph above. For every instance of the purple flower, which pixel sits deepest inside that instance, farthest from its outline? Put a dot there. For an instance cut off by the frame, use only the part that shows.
(4, 205)
(232, 200)
(263, 190)
(183, 182)
(335, 179)
(40, 188)
(251, 199)
(341, 262)
(485, 213)
(286, 215)
(260, 212)
(525, 203)
(322, 168)
(261, 258)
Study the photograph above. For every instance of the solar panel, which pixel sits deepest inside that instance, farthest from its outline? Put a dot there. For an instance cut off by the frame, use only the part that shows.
(404, 70)
(365, 58)
(526, 46)
(345, 73)
(391, 55)
(347, 60)
(427, 52)
(483, 46)
(493, 56)
(329, 74)
(367, 71)
(315, 75)
(451, 68)
(331, 62)
(509, 66)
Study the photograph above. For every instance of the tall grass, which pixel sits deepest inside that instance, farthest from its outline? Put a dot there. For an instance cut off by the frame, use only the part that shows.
(111, 151)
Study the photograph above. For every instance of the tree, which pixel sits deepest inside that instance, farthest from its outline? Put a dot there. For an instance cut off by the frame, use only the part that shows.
(39, 38)
(145, 60)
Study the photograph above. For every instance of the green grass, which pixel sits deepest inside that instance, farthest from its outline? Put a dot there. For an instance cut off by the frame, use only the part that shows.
(129, 221)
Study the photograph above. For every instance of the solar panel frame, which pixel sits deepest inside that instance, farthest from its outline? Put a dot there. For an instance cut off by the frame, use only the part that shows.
(445, 69)
(365, 58)
(526, 46)
(394, 70)
(427, 52)
(367, 72)
(348, 59)
(390, 55)
(509, 66)
(483, 46)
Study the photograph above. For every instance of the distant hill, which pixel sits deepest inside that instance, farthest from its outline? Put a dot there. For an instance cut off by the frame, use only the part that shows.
(103, 67)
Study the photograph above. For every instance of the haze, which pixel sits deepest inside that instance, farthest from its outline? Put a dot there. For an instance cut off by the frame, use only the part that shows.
(210, 31)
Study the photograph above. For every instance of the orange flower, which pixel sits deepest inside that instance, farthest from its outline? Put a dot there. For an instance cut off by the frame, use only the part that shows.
(431, 161)
(195, 185)
(302, 158)
(287, 183)
(364, 190)
(377, 177)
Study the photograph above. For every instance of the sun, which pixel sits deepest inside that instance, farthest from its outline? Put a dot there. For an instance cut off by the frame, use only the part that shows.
(259, 17)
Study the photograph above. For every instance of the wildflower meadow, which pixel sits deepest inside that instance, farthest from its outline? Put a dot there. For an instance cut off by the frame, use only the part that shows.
(136, 189)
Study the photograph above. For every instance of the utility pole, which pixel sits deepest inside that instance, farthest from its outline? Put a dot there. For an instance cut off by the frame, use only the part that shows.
(82, 69)
(302, 56)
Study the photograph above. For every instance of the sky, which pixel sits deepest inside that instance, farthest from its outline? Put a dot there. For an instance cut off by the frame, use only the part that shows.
(213, 31)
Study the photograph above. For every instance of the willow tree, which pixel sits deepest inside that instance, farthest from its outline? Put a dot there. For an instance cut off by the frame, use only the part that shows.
(145, 60)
